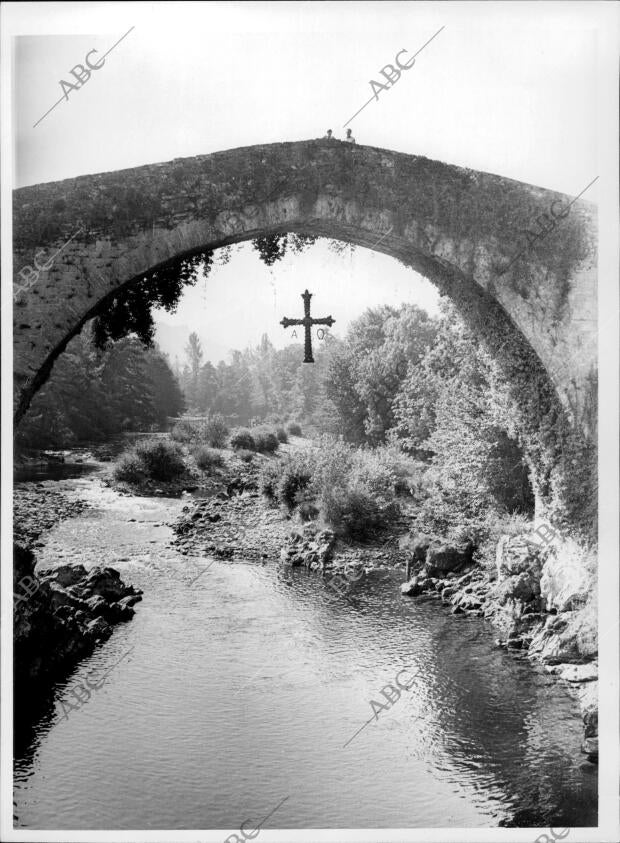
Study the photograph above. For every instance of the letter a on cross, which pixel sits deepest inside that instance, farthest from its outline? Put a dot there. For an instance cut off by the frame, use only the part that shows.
(307, 322)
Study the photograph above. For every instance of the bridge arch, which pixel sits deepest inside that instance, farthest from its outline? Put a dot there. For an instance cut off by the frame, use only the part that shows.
(532, 299)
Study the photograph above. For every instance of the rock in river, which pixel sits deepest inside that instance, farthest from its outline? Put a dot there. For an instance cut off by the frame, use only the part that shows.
(61, 614)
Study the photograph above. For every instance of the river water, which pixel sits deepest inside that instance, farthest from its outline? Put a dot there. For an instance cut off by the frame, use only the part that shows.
(237, 686)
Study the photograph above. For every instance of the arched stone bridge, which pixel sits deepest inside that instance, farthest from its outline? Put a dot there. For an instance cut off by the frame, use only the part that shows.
(532, 300)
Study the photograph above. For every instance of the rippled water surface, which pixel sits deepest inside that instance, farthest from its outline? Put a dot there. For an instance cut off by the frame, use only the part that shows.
(240, 688)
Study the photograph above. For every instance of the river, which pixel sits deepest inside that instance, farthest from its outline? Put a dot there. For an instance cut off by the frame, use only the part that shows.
(237, 686)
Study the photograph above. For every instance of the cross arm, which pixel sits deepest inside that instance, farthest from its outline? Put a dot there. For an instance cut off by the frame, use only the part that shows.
(286, 323)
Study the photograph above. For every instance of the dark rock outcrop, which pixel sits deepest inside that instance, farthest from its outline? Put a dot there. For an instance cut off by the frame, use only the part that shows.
(443, 558)
(61, 615)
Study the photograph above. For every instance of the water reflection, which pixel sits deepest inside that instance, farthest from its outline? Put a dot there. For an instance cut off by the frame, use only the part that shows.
(246, 682)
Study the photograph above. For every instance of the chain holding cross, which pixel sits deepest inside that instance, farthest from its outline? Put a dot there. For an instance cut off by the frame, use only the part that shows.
(307, 322)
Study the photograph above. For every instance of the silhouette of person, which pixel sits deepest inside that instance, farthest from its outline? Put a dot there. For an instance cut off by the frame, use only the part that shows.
(328, 136)
(349, 138)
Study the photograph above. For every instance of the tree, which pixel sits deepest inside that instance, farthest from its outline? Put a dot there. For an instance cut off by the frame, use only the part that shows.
(194, 353)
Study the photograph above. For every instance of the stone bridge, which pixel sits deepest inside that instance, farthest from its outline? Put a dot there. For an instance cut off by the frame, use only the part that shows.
(518, 260)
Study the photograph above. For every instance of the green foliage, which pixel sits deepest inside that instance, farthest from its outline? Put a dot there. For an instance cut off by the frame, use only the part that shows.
(266, 441)
(128, 310)
(271, 248)
(208, 458)
(162, 460)
(355, 489)
(269, 479)
(353, 511)
(184, 431)
(282, 435)
(215, 430)
(155, 459)
(354, 492)
(241, 438)
(212, 431)
(294, 429)
(90, 396)
(285, 480)
(245, 455)
(130, 469)
(368, 369)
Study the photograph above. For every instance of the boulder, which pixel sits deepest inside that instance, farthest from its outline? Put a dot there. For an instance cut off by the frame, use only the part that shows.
(441, 558)
(116, 612)
(520, 587)
(587, 672)
(589, 747)
(448, 592)
(64, 575)
(517, 555)
(99, 629)
(58, 596)
(313, 548)
(107, 583)
(97, 606)
(411, 588)
(568, 577)
(130, 600)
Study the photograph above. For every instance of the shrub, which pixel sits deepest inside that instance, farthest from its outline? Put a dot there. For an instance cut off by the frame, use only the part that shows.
(208, 458)
(241, 438)
(246, 456)
(285, 481)
(183, 431)
(294, 429)
(266, 441)
(282, 435)
(355, 489)
(295, 479)
(155, 459)
(161, 459)
(269, 480)
(352, 511)
(129, 468)
(215, 431)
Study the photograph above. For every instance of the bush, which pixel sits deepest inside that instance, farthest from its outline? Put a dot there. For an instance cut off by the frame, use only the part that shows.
(269, 480)
(215, 431)
(355, 489)
(354, 511)
(266, 441)
(155, 459)
(161, 459)
(129, 469)
(294, 429)
(246, 456)
(208, 458)
(183, 431)
(295, 480)
(285, 481)
(241, 438)
(282, 435)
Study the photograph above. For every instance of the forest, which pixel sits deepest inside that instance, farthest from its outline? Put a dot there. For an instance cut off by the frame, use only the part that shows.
(399, 381)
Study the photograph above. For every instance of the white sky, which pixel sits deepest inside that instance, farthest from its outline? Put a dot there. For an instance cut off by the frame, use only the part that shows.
(504, 88)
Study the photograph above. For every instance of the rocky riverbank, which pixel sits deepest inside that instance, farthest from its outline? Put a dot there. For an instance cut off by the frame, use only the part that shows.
(61, 614)
(37, 510)
(538, 597)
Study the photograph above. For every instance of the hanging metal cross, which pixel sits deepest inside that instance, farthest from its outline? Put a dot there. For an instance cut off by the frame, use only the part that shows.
(307, 322)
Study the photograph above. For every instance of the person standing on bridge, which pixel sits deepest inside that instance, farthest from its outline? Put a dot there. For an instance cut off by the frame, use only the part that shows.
(349, 138)
(328, 136)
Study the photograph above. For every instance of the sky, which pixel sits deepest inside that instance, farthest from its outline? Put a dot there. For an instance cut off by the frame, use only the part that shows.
(503, 88)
